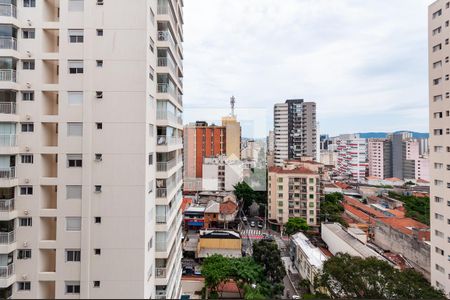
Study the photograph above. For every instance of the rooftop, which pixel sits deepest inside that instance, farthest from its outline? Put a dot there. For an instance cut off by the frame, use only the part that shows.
(314, 255)
(299, 170)
(365, 208)
(404, 225)
(351, 241)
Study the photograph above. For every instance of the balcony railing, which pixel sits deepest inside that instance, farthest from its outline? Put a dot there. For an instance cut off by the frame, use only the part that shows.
(161, 272)
(6, 205)
(7, 108)
(166, 36)
(169, 116)
(168, 140)
(8, 10)
(161, 219)
(7, 271)
(8, 43)
(8, 173)
(7, 238)
(8, 140)
(161, 294)
(161, 192)
(7, 75)
(167, 62)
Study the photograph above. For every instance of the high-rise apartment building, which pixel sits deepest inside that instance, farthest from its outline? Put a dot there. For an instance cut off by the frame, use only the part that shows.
(439, 73)
(233, 143)
(352, 157)
(295, 130)
(294, 191)
(90, 136)
(380, 158)
(200, 141)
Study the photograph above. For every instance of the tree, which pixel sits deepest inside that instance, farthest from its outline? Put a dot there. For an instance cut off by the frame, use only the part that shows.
(267, 254)
(417, 208)
(331, 208)
(295, 225)
(345, 276)
(243, 191)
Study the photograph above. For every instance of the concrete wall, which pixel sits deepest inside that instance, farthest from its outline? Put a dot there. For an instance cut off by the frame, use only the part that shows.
(417, 252)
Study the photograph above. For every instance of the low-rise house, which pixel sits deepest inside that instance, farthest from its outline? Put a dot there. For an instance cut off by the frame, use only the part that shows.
(194, 217)
(224, 242)
(307, 258)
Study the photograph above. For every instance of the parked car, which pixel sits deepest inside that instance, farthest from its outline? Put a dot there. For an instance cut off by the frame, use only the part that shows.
(252, 223)
(244, 219)
(260, 225)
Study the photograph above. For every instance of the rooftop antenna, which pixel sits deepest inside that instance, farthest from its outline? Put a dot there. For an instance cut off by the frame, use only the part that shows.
(232, 102)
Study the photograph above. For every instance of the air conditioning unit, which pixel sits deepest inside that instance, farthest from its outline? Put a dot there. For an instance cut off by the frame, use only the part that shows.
(27, 149)
(29, 22)
(26, 212)
(28, 85)
(25, 244)
(24, 276)
(27, 180)
(28, 117)
(29, 53)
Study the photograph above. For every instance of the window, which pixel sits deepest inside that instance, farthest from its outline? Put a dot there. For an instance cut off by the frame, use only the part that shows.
(437, 81)
(98, 157)
(72, 287)
(438, 216)
(73, 255)
(151, 74)
(76, 36)
(75, 129)
(152, 16)
(25, 222)
(26, 158)
(438, 132)
(99, 2)
(99, 94)
(27, 127)
(29, 3)
(74, 160)
(437, 47)
(439, 233)
(73, 223)
(437, 30)
(73, 191)
(447, 23)
(439, 268)
(26, 190)
(152, 45)
(438, 165)
(438, 250)
(437, 13)
(280, 179)
(98, 188)
(99, 63)
(28, 96)
(99, 125)
(76, 5)
(96, 284)
(447, 5)
(28, 64)
(75, 98)
(98, 220)
(151, 129)
(97, 251)
(437, 64)
(438, 115)
(99, 32)
(29, 33)
(438, 199)
(75, 67)
(23, 286)
(24, 254)
(438, 149)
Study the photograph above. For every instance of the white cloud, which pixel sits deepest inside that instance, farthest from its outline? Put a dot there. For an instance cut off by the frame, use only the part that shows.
(354, 58)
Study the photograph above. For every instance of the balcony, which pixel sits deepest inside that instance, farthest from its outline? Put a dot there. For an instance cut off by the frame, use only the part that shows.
(167, 62)
(8, 173)
(165, 166)
(8, 75)
(8, 10)
(6, 205)
(8, 108)
(7, 238)
(7, 271)
(164, 140)
(166, 36)
(169, 116)
(161, 272)
(8, 140)
(8, 43)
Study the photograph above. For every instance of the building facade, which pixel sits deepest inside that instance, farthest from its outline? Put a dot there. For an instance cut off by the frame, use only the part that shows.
(352, 157)
(233, 144)
(380, 158)
(221, 173)
(439, 70)
(200, 141)
(91, 101)
(295, 130)
(293, 191)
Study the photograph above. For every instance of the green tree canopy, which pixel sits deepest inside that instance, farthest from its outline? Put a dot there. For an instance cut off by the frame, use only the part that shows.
(267, 254)
(345, 276)
(243, 191)
(416, 207)
(331, 208)
(295, 225)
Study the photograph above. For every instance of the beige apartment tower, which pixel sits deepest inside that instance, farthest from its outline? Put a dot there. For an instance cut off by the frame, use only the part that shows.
(90, 148)
(439, 72)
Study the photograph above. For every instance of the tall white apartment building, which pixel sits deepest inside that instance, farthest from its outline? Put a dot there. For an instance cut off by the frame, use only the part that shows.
(439, 73)
(352, 158)
(90, 145)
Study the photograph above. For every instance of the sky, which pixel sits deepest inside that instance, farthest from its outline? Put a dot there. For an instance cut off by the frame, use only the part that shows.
(364, 62)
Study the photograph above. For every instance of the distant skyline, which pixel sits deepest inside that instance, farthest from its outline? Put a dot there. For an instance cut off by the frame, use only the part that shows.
(363, 62)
